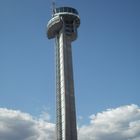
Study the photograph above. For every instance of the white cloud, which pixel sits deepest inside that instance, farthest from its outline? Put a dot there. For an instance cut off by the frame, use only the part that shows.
(122, 123)
(16, 125)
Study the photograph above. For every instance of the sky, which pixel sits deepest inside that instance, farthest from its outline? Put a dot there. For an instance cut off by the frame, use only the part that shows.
(106, 59)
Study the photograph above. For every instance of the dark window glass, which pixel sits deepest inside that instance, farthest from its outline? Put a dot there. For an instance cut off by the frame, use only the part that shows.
(69, 9)
(72, 10)
(61, 9)
(75, 11)
(65, 9)
(57, 10)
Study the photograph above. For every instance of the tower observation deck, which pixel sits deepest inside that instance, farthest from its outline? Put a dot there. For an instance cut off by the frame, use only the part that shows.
(63, 27)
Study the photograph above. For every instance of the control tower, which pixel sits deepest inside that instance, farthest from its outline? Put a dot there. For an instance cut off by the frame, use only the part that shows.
(63, 27)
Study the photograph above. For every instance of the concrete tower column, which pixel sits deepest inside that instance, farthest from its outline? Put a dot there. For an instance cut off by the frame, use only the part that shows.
(63, 27)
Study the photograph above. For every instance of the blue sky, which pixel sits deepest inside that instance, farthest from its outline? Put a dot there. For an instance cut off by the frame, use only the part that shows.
(106, 56)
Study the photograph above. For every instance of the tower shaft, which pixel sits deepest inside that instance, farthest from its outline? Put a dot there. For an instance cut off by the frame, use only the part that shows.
(65, 104)
(63, 27)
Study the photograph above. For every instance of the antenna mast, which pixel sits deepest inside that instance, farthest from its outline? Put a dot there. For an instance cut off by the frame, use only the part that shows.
(53, 6)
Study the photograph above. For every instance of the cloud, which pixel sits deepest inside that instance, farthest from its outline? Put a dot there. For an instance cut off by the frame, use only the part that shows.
(16, 125)
(122, 123)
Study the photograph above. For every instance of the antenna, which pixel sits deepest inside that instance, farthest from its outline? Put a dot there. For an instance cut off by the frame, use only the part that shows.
(53, 5)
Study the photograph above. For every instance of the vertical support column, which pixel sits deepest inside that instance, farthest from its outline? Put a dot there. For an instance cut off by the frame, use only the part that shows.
(62, 83)
(66, 116)
(71, 128)
(60, 88)
(58, 92)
